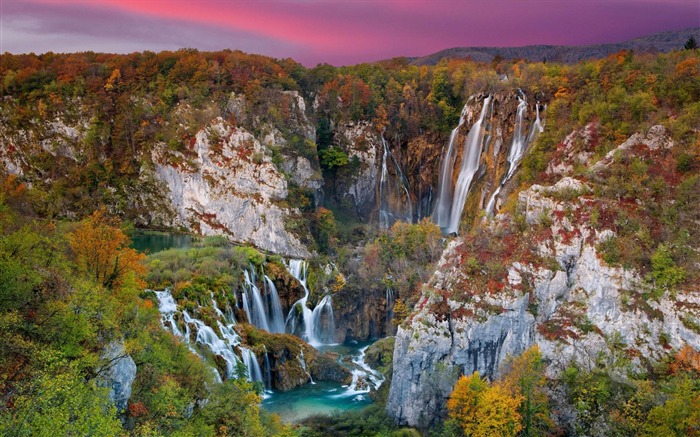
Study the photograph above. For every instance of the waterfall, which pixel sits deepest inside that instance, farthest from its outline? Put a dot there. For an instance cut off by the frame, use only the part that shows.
(251, 363)
(246, 307)
(258, 308)
(276, 314)
(387, 216)
(470, 165)
(302, 363)
(316, 330)
(324, 327)
(441, 214)
(268, 374)
(390, 297)
(518, 146)
(207, 337)
(297, 268)
(168, 308)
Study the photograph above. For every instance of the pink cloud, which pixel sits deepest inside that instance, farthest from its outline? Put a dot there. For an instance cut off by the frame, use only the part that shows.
(350, 31)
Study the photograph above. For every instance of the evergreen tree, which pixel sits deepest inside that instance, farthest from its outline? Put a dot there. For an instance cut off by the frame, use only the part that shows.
(691, 44)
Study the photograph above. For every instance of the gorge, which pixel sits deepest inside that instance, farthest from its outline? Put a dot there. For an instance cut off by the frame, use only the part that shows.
(359, 240)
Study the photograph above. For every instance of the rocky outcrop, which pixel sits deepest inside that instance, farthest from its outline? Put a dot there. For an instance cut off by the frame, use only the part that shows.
(117, 374)
(229, 186)
(576, 308)
(362, 143)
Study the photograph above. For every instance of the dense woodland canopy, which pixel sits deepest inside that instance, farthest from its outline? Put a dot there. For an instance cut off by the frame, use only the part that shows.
(70, 286)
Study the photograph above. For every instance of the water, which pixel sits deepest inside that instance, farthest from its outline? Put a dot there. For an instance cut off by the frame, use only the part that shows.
(444, 199)
(258, 315)
(152, 242)
(276, 314)
(470, 164)
(518, 146)
(394, 198)
(206, 337)
(316, 329)
(327, 398)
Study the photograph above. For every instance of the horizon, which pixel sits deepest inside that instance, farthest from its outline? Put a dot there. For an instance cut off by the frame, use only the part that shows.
(340, 33)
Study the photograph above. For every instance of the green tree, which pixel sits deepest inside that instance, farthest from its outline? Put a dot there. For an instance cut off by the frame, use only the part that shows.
(524, 375)
(691, 44)
(61, 404)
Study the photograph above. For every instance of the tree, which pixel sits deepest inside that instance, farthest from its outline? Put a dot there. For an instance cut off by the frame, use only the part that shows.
(102, 251)
(61, 403)
(691, 44)
(524, 376)
(484, 410)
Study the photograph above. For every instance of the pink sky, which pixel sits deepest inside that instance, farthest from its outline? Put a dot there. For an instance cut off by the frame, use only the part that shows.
(334, 31)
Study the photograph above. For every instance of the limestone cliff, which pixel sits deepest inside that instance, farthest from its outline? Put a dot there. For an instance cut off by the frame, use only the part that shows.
(552, 289)
(229, 187)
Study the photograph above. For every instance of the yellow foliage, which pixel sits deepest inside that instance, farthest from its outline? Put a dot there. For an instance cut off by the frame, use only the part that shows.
(484, 410)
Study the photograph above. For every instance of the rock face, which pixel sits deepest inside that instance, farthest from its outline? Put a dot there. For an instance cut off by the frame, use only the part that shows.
(118, 374)
(576, 308)
(229, 187)
(363, 145)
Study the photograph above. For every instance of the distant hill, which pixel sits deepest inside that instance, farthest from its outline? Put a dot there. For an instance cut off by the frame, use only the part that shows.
(658, 42)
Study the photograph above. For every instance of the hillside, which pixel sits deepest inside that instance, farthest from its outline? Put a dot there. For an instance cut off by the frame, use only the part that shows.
(662, 42)
(539, 231)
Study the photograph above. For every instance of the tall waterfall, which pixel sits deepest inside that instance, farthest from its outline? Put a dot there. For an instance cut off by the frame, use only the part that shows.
(518, 146)
(470, 164)
(441, 215)
(276, 321)
(317, 329)
(394, 199)
(256, 305)
(263, 311)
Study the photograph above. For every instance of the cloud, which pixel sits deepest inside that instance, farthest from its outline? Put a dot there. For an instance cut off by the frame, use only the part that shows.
(334, 31)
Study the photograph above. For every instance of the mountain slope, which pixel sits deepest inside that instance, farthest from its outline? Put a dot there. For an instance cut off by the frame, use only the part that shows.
(662, 42)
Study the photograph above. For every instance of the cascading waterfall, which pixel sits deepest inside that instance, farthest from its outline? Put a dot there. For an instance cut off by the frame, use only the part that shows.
(168, 308)
(518, 146)
(317, 328)
(302, 363)
(470, 164)
(441, 215)
(387, 216)
(276, 321)
(268, 373)
(390, 297)
(323, 321)
(251, 363)
(297, 268)
(206, 337)
(257, 306)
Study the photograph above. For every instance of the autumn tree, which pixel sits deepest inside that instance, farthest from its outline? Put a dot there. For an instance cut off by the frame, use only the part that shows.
(481, 409)
(102, 251)
(524, 376)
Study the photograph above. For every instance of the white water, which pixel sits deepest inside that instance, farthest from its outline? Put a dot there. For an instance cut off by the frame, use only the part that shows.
(251, 363)
(441, 214)
(256, 305)
(314, 333)
(323, 321)
(302, 363)
(470, 164)
(386, 216)
(518, 146)
(206, 337)
(276, 322)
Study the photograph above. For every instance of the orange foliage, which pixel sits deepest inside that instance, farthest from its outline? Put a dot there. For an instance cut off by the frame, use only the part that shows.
(102, 251)
(687, 360)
